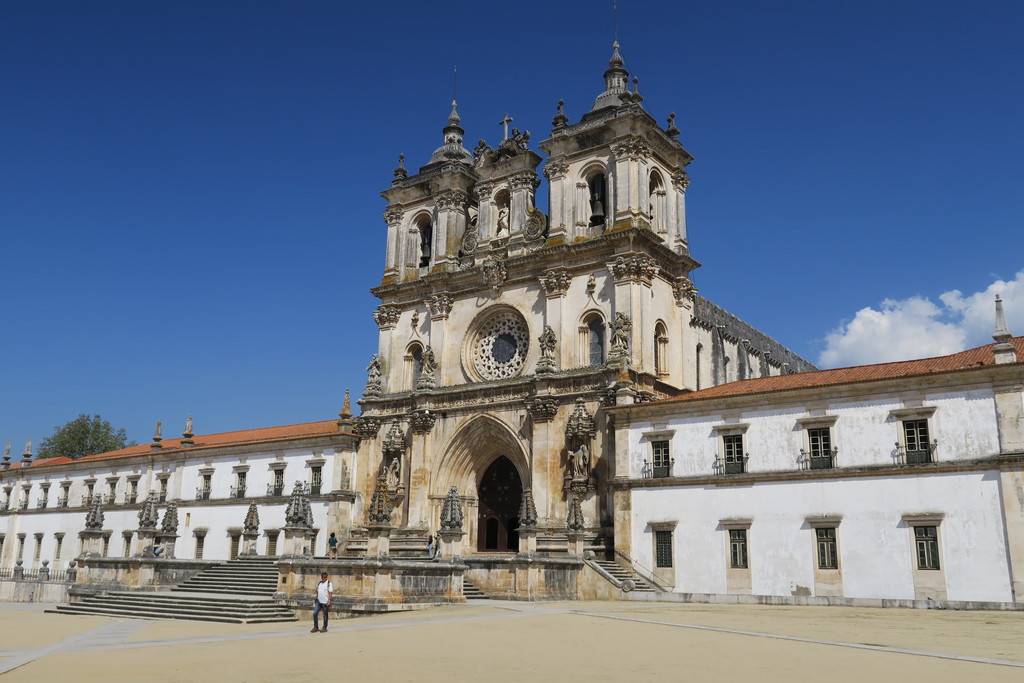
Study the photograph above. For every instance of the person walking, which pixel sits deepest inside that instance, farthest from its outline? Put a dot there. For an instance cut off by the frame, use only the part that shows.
(322, 601)
(332, 545)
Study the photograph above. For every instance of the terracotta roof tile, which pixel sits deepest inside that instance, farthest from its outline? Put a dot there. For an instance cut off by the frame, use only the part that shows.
(979, 356)
(264, 434)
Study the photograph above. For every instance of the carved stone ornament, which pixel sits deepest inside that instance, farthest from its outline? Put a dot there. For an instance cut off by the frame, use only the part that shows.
(683, 289)
(609, 398)
(680, 180)
(470, 240)
(556, 168)
(574, 521)
(428, 370)
(633, 149)
(555, 282)
(578, 465)
(394, 442)
(170, 523)
(495, 272)
(542, 409)
(440, 306)
(547, 341)
(514, 145)
(621, 327)
(148, 517)
(527, 510)
(379, 512)
(386, 316)
(299, 513)
(637, 268)
(527, 180)
(452, 199)
(536, 225)
(374, 379)
(580, 427)
(392, 470)
(393, 215)
(366, 427)
(451, 512)
(422, 422)
(94, 518)
(499, 345)
(251, 525)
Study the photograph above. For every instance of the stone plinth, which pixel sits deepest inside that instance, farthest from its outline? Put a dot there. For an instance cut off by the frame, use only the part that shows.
(147, 539)
(451, 543)
(167, 542)
(575, 547)
(527, 540)
(296, 541)
(249, 543)
(378, 541)
(92, 542)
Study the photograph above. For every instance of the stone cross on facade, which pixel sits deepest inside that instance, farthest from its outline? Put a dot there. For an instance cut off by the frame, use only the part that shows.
(504, 122)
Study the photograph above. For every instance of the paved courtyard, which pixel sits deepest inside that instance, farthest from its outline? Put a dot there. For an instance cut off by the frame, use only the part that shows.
(512, 641)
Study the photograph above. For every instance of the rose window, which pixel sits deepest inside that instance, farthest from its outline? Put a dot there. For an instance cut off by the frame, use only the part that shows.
(500, 348)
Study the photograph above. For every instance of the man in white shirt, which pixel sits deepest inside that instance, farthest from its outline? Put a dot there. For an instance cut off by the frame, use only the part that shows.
(324, 595)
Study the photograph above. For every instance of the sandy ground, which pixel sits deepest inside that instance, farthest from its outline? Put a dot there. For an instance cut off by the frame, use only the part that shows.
(503, 641)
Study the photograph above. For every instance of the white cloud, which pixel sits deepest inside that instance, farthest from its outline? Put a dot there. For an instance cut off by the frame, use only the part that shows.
(917, 327)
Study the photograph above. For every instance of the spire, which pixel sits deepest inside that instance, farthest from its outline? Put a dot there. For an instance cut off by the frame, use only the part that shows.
(452, 149)
(616, 81)
(1003, 350)
(346, 407)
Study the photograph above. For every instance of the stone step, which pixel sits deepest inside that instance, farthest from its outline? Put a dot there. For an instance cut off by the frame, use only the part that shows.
(622, 573)
(132, 612)
(471, 592)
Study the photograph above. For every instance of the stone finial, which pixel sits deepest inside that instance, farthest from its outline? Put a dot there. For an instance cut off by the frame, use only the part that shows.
(401, 173)
(379, 512)
(1003, 350)
(158, 436)
(94, 518)
(574, 519)
(346, 407)
(148, 514)
(528, 510)
(26, 456)
(451, 512)
(374, 377)
(671, 128)
(580, 427)
(251, 525)
(186, 436)
(560, 118)
(394, 441)
(299, 512)
(6, 464)
(170, 523)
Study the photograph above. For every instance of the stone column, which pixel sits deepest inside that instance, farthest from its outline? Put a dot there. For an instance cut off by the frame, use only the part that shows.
(559, 199)
(677, 211)
(450, 224)
(393, 217)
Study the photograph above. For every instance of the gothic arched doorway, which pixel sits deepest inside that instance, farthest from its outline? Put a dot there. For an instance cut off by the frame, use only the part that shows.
(499, 496)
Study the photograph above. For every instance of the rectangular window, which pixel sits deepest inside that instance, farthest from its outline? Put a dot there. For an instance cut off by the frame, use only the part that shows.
(112, 491)
(106, 546)
(738, 548)
(278, 482)
(820, 442)
(240, 479)
(927, 538)
(89, 490)
(915, 438)
(272, 543)
(828, 558)
(663, 548)
(235, 540)
(58, 546)
(734, 459)
(316, 475)
(659, 456)
(127, 537)
(200, 542)
(204, 491)
(133, 491)
(163, 489)
(39, 547)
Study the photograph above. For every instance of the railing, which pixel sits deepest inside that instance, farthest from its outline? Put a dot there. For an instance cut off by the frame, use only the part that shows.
(645, 572)
(238, 492)
(162, 497)
(657, 471)
(733, 464)
(63, 502)
(919, 456)
(314, 489)
(202, 494)
(23, 505)
(41, 504)
(5, 506)
(819, 460)
(275, 490)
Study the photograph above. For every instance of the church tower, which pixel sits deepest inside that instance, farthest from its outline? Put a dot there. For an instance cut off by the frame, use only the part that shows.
(505, 329)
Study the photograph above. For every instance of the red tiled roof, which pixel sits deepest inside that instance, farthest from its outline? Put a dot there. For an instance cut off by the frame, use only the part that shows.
(979, 356)
(265, 434)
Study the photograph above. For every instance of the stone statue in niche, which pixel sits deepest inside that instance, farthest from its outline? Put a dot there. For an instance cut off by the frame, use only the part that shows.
(579, 462)
(502, 221)
(393, 473)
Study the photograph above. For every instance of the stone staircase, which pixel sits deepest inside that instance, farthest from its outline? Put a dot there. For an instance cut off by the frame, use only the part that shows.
(244, 576)
(471, 592)
(236, 592)
(622, 574)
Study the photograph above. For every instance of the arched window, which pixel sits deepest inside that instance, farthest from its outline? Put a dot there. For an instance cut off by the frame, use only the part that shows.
(426, 232)
(657, 204)
(660, 349)
(502, 216)
(413, 364)
(592, 333)
(598, 199)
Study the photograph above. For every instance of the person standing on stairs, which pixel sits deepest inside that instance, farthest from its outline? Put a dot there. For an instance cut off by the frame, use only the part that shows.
(322, 601)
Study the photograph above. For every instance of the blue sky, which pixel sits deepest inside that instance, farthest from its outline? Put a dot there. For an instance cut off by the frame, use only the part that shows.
(189, 192)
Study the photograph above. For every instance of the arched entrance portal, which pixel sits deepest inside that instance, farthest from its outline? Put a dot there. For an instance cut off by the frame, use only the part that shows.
(499, 495)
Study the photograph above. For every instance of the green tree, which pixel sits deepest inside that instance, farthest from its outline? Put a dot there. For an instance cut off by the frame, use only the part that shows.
(81, 437)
